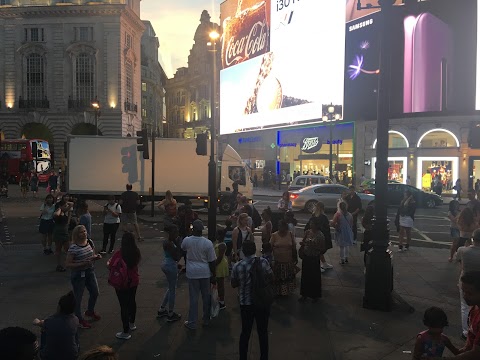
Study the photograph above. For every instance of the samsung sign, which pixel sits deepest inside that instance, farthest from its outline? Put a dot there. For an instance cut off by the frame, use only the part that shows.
(249, 140)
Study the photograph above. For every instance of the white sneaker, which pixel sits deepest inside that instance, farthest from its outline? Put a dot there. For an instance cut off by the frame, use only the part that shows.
(123, 336)
(322, 270)
(400, 249)
(133, 327)
(327, 266)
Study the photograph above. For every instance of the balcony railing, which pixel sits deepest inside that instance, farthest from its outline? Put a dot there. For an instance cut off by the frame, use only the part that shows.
(33, 104)
(79, 104)
(130, 107)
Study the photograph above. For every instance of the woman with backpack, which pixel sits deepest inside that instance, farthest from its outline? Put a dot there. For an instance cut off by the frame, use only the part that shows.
(240, 234)
(173, 253)
(124, 278)
(80, 259)
(343, 223)
(111, 222)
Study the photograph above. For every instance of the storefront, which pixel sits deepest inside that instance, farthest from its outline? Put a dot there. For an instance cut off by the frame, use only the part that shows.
(397, 169)
(300, 150)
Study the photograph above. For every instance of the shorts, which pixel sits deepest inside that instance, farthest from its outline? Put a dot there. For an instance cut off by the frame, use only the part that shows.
(406, 221)
(127, 218)
(228, 252)
(454, 233)
(34, 188)
(46, 226)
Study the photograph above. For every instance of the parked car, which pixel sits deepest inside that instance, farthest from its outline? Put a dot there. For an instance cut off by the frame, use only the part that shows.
(396, 191)
(307, 198)
(306, 180)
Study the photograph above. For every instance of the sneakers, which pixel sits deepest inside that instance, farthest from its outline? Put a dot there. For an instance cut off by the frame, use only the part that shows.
(400, 249)
(92, 315)
(132, 326)
(406, 248)
(82, 324)
(162, 313)
(123, 336)
(346, 260)
(222, 305)
(322, 270)
(173, 317)
(103, 252)
(110, 251)
(342, 262)
(189, 326)
(327, 266)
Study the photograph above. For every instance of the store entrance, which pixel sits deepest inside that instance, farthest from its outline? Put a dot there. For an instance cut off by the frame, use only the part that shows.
(473, 171)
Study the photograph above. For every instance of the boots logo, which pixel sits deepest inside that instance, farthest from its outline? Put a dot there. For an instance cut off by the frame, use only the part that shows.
(311, 144)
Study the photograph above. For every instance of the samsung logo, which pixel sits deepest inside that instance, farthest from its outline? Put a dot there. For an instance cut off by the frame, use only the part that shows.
(360, 25)
(250, 140)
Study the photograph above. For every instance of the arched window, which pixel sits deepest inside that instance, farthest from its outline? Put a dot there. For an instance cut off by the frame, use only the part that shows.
(438, 138)
(396, 140)
(129, 81)
(35, 77)
(84, 77)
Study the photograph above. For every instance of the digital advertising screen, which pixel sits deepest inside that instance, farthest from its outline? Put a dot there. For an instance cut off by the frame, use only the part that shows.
(281, 60)
(434, 58)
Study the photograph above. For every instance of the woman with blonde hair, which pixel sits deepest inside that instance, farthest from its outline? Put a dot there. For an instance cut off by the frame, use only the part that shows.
(240, 234)
(80, 259)
(102, 352)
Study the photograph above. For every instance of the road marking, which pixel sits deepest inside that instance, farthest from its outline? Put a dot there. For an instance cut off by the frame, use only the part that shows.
(422, 234)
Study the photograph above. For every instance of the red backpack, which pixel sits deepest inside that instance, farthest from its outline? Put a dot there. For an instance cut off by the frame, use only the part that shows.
(118, 277)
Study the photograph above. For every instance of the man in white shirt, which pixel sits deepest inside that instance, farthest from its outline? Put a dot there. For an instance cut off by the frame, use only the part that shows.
(200, 272)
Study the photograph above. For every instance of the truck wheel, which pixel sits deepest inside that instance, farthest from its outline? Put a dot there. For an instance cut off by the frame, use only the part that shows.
(225, 207)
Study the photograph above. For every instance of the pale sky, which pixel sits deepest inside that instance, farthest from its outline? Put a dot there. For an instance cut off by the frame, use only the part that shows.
(175, 22)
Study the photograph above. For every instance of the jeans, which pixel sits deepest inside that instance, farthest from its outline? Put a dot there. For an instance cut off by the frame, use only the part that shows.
(196, 286)
(343, 252)
(109, 230)
(128, 306)
(464, 311)
(79, 283)
(260, 315)
(171, 272)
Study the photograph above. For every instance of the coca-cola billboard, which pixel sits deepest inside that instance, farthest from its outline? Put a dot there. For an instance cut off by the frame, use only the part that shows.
(275, 71)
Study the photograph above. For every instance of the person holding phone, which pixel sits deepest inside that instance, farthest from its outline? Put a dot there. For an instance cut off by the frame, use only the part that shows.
(80, 259)
(111, 222)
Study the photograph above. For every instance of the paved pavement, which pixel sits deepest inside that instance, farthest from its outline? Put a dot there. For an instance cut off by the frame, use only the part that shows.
(336, 328)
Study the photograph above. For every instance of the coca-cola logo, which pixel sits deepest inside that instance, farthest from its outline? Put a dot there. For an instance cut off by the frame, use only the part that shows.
(311, 144)
(249, 46)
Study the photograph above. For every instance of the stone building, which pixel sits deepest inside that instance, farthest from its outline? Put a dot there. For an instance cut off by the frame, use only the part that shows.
(189, 91)
(58, 56)
(153, 83)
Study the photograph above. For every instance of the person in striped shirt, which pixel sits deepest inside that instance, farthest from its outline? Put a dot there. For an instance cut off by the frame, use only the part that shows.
(80, 259)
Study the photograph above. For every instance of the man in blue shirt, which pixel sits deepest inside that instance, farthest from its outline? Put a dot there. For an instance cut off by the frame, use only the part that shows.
(241, 278)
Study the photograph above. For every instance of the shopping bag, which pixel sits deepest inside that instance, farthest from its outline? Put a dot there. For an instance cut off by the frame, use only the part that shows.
(215, 306)
(48, 189)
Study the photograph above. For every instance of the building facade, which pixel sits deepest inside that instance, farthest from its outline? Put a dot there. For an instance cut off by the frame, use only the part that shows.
(153, 83)
(58, 57)
(189, 91)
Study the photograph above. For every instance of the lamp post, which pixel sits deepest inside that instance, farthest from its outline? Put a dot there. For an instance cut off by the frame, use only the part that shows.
(212, 166)
(165, 128)
(379, 270)
(331, 113)
(96, 107)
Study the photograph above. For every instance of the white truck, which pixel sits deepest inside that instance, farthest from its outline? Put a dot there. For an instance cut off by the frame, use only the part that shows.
(98, 166)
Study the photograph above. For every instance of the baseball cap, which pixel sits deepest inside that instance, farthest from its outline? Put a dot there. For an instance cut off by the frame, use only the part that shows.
(197, 225)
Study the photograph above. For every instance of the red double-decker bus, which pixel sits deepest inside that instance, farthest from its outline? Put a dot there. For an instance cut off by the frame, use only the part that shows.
(18, 156)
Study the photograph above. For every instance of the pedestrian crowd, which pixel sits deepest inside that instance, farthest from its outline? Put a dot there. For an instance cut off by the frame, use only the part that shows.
(231, 255)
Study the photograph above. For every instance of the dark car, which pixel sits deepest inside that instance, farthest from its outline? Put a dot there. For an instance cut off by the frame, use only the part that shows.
(422, 198)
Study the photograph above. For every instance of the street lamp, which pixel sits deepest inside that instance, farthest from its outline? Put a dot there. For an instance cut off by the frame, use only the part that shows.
(331, 113)
(212, 166)
(379, 270)
(96, 107)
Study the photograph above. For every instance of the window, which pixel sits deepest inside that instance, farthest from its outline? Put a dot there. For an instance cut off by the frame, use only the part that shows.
(35, 77)
(84, 77)
(144, 113)
(182, 115)
(182, 100)
(129, 80)
(34, 34)
(194, 113)
(144, 86)
(128, 41)
(83, 33)
(4, 2)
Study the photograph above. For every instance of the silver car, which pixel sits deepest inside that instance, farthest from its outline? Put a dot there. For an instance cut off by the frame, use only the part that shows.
(329, 194)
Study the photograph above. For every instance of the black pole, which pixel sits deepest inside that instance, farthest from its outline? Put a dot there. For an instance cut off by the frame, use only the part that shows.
(96, 121)
(330, 164)
(379, 272)
(152, 213)
(212, 167)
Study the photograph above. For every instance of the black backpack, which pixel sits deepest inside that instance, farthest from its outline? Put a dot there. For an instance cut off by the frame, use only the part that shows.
(262, 290)
(257, 219)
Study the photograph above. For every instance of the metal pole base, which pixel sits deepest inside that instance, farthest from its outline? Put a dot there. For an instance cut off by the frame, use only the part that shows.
(379, 281)
(212, 200)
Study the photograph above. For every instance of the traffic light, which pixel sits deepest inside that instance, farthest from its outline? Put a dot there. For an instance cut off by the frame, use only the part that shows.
(129, 163)
(142, 141)
(201, 144)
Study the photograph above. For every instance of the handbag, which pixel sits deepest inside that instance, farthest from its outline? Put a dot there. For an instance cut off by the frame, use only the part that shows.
(301, 252)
